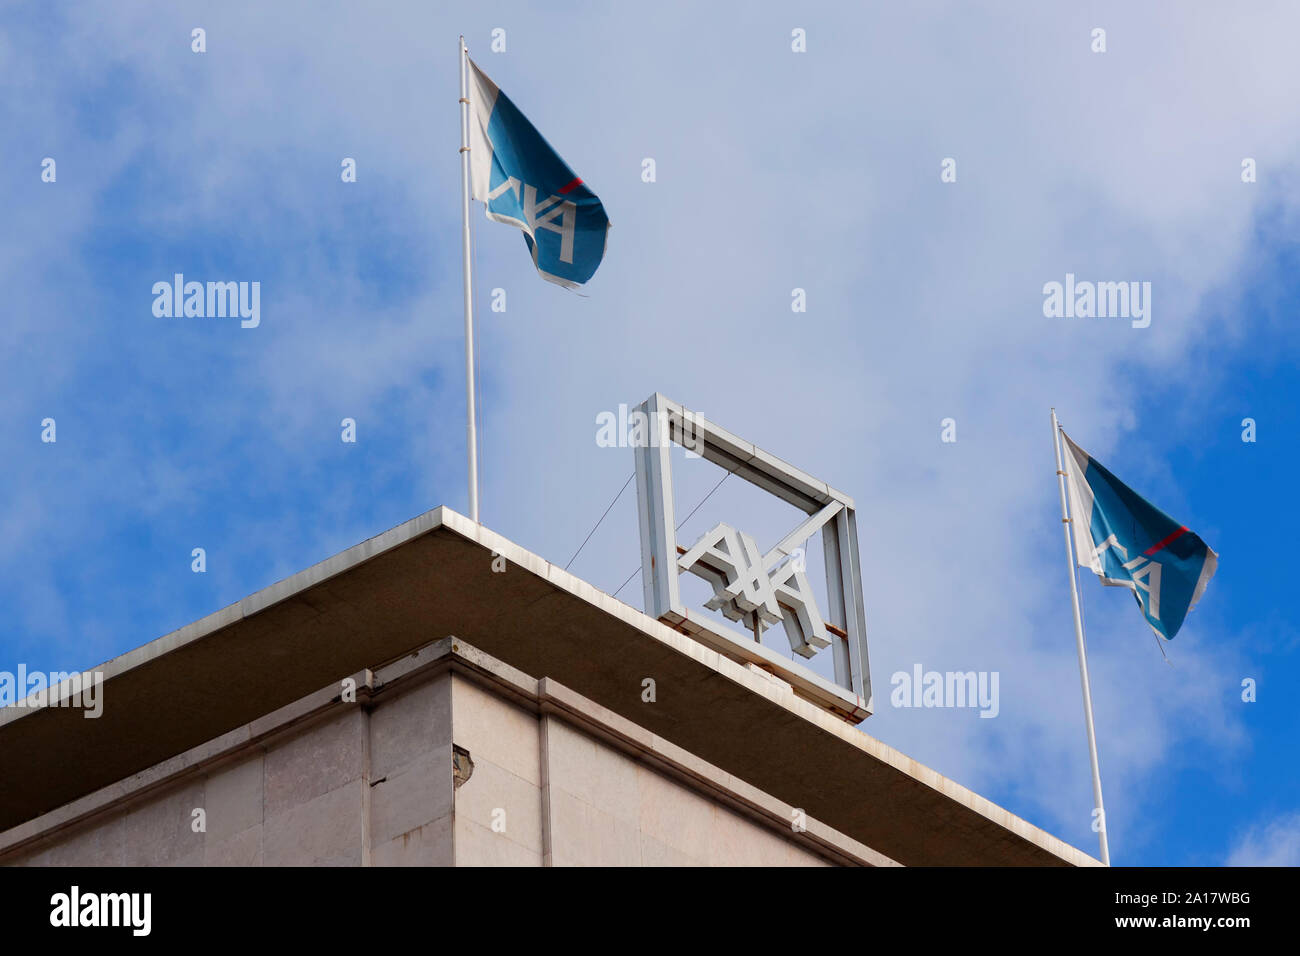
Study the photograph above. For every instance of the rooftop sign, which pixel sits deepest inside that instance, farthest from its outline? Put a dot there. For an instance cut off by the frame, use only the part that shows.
(751, 587)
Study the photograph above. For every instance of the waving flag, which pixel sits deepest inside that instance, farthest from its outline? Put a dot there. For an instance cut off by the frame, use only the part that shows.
(525, 184)
(1128, 542)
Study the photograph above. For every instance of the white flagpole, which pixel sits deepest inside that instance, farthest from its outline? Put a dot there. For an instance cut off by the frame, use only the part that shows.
(1078, 634)
(470, 431)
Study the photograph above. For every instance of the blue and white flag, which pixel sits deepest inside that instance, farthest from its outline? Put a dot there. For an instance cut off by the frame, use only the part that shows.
(525, 183)
(1128, 542)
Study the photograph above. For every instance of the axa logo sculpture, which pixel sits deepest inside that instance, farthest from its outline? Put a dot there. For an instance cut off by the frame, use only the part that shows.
(754, 588)
(746, 583)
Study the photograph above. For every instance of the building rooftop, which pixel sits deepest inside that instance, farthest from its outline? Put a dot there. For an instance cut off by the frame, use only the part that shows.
(434, 577)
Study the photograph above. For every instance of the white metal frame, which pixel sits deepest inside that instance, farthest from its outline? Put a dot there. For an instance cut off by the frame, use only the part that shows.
(829, 511)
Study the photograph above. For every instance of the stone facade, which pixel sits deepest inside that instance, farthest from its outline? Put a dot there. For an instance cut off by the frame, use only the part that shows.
(547, 778)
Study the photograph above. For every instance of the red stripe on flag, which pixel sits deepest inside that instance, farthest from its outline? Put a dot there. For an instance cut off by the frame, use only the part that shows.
(572, 186)
(1165, 543)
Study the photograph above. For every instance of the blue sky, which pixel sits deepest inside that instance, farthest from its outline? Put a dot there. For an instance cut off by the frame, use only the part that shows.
(775, 170)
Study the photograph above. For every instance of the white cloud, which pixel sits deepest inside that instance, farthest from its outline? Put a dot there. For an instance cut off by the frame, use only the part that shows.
(1275, 843)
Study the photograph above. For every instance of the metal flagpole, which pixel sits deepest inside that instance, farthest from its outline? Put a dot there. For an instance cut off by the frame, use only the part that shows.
(470, 431)
(1083, 654)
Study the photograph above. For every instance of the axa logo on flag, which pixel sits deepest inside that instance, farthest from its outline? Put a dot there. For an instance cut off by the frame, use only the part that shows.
(524, 183)
(1128, 542)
